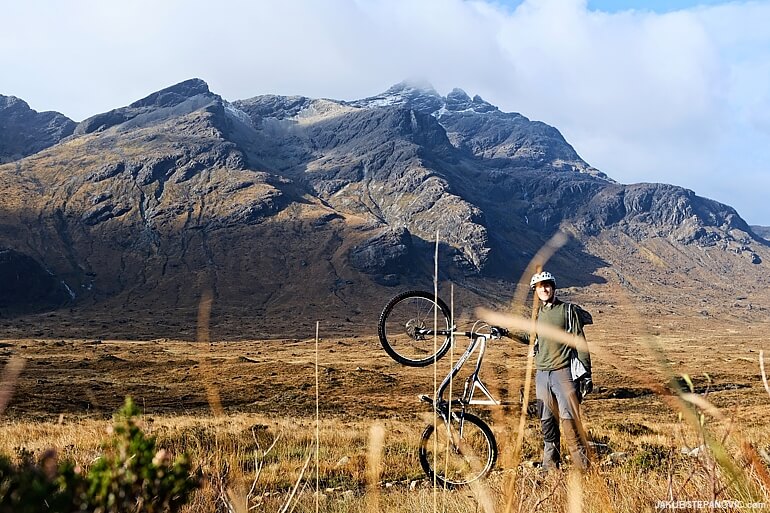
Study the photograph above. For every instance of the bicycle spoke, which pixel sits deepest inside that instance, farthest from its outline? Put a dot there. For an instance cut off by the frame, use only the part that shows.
(407, 327)
(460, 452)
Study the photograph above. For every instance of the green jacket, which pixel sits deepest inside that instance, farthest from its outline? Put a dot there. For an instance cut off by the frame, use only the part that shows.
(551, 354)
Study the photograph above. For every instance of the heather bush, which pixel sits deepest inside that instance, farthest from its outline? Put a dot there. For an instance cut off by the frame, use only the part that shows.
(131, 476)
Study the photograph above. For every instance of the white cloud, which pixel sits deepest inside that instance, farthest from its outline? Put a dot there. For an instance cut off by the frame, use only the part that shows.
(680, 97)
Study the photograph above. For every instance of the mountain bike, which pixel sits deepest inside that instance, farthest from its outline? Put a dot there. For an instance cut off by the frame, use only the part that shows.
(460, 448)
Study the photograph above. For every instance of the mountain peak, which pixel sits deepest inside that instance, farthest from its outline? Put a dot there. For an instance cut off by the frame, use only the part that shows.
(174, 94)
(412, 87)
(458, 100)
(7, 102)
(421, 96)
(24, 131)
(177, 99)
(458, 95)
(417, 95)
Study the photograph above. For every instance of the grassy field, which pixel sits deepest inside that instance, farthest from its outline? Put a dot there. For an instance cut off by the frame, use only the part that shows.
(253, 460)
(245, 411)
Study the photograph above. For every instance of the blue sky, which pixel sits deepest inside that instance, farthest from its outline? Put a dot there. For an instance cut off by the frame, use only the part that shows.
(674, 92)
(614, 6)
(659, 6)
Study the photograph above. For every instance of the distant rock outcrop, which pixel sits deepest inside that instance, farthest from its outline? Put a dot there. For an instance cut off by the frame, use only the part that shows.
(386, 256)
(24, 131)
(647, 210)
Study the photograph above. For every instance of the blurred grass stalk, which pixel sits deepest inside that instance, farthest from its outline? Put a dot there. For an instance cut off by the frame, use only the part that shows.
(374, 466)
(11, 373)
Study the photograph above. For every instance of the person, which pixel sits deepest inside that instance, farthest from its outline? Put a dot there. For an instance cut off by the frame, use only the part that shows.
(558, 393)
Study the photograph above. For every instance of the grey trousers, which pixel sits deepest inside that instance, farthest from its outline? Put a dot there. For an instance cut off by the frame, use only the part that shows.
(560, 412)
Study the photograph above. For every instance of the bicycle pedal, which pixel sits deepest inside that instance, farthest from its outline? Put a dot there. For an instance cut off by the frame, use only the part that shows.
(425, 398)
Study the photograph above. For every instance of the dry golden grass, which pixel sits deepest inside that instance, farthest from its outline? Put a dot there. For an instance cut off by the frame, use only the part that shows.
(234, 448)
(256, 441)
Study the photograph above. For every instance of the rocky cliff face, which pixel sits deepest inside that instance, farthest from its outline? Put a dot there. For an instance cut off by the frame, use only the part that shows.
(24, 131)
(279, 205)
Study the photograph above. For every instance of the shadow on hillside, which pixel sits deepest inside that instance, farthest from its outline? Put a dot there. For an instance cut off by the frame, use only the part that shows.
(300, 275)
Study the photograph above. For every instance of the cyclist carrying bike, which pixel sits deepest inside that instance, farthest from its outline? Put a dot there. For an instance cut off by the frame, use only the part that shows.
(557, 393)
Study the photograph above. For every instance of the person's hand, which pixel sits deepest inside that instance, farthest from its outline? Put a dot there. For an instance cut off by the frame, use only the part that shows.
(499, 332)
(586, 386)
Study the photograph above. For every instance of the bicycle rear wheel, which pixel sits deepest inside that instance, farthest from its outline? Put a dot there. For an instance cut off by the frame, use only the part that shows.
(459, 452)
(406, 326)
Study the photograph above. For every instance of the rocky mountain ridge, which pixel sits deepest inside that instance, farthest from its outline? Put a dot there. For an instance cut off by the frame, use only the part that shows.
(24, 131)
(480, 128)
(276, 204)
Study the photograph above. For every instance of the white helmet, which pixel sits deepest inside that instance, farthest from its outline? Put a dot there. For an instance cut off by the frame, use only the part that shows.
(541, 277)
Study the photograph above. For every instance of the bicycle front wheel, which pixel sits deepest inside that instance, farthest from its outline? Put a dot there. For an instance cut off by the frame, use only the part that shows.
(458, 452)
(406, 328)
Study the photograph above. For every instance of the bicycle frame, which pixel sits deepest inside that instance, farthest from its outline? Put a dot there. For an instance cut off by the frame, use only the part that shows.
(473, 382)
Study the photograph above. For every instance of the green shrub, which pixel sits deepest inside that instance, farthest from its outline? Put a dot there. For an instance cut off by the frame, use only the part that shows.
(131, 477)
(29, 486)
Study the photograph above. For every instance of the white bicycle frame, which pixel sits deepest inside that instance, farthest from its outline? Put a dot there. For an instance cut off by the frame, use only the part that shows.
(473, 382)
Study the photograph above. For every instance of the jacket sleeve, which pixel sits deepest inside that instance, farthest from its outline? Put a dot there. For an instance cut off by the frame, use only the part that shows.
(521, 337)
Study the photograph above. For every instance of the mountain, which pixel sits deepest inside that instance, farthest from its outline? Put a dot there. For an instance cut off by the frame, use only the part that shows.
(476, 126)
(762, 231)
(287, 209)
(24, 131)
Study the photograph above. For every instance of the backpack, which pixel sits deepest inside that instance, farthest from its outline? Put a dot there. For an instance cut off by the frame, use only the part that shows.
(577, 368)
(584, 316)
